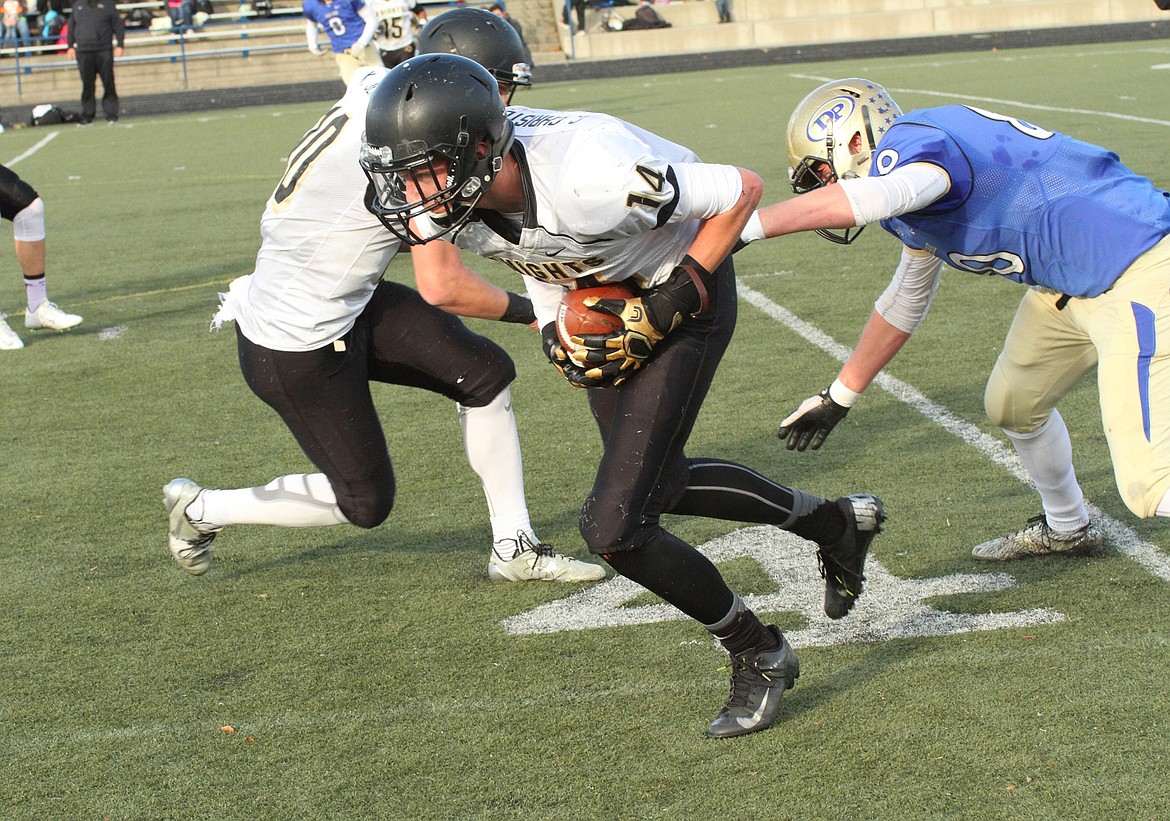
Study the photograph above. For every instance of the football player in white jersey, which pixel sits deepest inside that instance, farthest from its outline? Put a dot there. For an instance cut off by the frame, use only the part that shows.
(398, 23)
(316, 324)
(570, 199)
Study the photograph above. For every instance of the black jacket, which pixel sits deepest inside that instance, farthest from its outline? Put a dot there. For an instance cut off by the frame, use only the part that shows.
(94, 24)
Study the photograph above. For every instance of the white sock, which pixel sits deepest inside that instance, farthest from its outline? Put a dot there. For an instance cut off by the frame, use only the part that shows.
(297, 500)
(34, 289)
(493, 451)
(1046, 454)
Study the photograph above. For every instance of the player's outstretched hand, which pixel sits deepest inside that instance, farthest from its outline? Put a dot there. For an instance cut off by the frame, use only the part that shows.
(576, 375)
(811, 422)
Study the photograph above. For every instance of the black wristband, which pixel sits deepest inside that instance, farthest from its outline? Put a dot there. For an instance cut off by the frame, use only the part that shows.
(519, 310)
(699, 277)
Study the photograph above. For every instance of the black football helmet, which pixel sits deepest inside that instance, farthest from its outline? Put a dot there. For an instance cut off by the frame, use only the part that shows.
(479, 35)
(435, 108)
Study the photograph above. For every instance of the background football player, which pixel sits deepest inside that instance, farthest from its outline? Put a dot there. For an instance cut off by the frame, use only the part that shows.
(484, 37)
(990, 194)
(350, 27)
(21, 204)
(398, 24)
(574, 198)
(315, 325)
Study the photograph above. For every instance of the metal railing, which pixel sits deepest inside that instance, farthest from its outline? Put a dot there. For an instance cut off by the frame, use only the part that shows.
(166, 44)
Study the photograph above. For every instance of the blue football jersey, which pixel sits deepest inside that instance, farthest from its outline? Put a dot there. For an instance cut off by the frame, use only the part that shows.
(339, 18)
(1031, 205)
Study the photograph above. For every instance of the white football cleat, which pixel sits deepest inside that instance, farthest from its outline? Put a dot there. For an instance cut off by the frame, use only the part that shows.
(190, 546)
(50, 317)
(9, 341)
(523, 560)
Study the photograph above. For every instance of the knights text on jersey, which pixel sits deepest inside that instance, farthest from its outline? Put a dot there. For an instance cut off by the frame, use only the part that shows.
(395, 23)
(1031, 205)
(339, 18)
(322, 251)
(605, 198)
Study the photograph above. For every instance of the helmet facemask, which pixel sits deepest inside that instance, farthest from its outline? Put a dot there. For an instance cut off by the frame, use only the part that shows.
(436, 138)
(455, 175)
(520, 75)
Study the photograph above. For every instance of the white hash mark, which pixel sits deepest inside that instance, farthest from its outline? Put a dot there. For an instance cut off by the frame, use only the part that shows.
(889, 607)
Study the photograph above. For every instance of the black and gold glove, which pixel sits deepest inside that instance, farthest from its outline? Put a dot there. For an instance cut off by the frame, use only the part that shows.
(576, 375)
(646, 320)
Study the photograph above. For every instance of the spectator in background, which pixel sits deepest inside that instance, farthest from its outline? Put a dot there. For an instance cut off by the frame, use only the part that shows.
(24, 207)
(15, 23)
(92, 30)
(579, 7)
(499, 10)
(350, 25)
(52, 26)
(645, 18)
(182, 14)
(724, 9)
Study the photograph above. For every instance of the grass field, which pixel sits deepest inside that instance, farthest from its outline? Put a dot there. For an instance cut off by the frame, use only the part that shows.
(378, 674)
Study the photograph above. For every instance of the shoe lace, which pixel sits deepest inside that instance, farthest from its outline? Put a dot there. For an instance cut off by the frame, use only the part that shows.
(744, 677)
(1040, 520)
(523, 542)
(827, 564)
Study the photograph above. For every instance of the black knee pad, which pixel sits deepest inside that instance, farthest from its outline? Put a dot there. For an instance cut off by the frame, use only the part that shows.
(499, 372)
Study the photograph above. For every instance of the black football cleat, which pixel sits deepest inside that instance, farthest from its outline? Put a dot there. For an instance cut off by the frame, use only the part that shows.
(842, 563)
(758, 680)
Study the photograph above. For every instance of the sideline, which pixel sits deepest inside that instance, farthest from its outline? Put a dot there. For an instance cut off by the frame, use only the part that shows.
(1120, 535)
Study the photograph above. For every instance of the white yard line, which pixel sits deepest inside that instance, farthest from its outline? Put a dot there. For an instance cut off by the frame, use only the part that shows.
(48, 138)
(1113, 115)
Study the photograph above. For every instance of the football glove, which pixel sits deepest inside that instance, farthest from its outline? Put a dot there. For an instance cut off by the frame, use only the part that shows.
(576, 375)
(811, 422)
(646, 320)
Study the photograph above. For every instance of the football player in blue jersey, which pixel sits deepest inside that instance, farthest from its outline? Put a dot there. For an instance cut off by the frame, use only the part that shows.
(990, 194)
(350, 26)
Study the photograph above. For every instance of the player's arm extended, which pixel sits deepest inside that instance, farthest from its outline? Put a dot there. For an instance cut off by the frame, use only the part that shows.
(852, 203)
(897, 313)
(445, 282)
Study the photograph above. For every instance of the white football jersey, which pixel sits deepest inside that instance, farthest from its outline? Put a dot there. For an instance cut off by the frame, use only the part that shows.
(396, 23)
(606, 200)
(322, 252)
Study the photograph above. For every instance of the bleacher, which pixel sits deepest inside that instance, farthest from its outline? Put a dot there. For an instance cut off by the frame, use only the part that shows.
(758, 24)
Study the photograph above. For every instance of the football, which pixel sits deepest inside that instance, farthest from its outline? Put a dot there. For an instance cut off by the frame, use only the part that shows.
(574, 319)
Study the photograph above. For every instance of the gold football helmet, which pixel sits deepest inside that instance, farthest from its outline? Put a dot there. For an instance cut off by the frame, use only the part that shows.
(832, 135)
